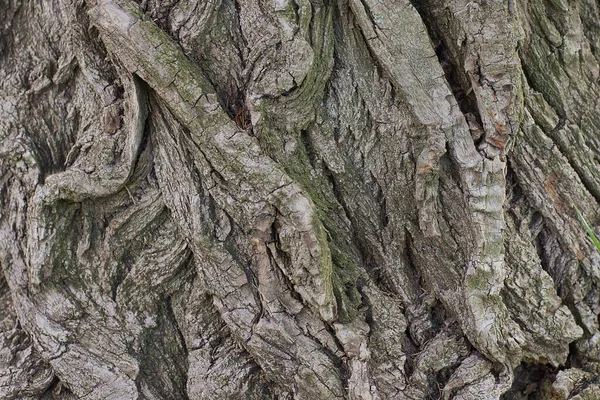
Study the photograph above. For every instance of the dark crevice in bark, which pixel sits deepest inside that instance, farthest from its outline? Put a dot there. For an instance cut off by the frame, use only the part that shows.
(454, 167)
(374, 187)
(296, 8)
(574, 359)
(163, 350)
(240, 31)
(545, 241)
(541, 252)
(366, 254)
(73, 151)
(555, 262)
(530, 81)
(440, 319)
(528, 379)
(159, 14)
(380, 196)
(412, 316)
(340, 363)
(591, 27)
(549, 252)
(410, 258)
(411, 349)
(311, 153)
(121, 272)
(57, 390)
(181, 339)
(516, 197)
(145, 142)
(238, 111)
(514, 193)
(440, 379)
(361, 40)
(343, 254)
(451, 64)
(50, 155)
(7, 27)
(463, 92)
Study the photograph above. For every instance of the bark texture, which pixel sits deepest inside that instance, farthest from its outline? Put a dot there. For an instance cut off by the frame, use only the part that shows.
(299, 199)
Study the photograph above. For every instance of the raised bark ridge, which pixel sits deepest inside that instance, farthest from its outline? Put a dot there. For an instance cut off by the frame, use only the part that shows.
(299, 199)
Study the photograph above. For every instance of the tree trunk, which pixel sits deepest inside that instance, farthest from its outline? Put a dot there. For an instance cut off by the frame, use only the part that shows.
(299, 199)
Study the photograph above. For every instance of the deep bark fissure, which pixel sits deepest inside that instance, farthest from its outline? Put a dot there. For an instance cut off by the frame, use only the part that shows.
(453, 70)
(366, 254)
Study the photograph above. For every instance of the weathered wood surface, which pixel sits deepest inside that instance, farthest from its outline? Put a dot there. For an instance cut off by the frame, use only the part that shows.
(304, 199)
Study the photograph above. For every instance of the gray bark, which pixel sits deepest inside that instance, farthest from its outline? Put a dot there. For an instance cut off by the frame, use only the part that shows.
(299, 199)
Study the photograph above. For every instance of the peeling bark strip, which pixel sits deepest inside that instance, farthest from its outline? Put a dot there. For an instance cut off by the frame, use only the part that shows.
(299, 199)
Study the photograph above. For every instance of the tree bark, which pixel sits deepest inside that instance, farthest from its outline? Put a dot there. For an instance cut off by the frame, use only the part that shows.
(299, 199)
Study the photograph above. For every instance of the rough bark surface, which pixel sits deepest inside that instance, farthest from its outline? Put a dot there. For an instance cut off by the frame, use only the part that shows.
(299, 199)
